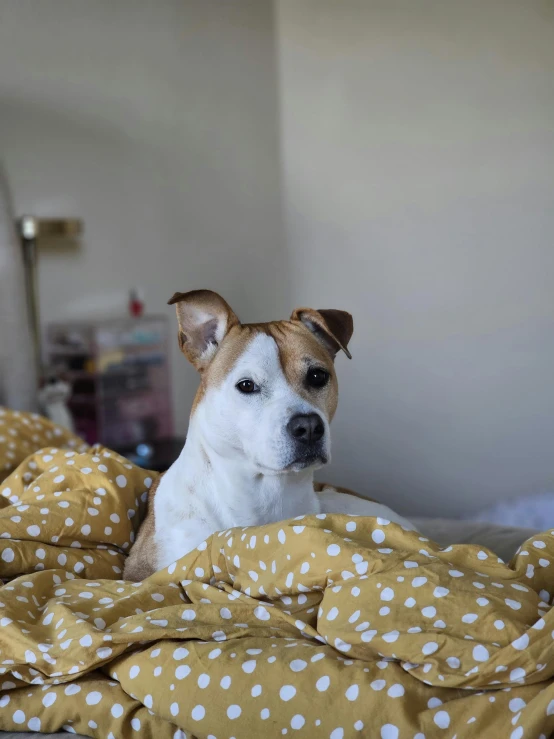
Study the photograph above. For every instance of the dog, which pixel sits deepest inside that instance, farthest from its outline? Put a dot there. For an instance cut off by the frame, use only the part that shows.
(259, 427)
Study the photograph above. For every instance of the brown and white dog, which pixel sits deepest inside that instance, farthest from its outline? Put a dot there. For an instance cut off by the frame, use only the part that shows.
(259, 428)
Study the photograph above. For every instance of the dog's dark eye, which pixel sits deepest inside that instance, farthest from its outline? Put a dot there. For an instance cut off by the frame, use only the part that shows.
(247, 387)
(317, 377)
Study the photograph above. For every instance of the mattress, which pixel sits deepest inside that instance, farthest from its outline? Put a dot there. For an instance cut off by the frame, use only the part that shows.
(502, 540)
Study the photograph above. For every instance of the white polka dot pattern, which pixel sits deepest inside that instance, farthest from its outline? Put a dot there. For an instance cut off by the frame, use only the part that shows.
(308, 626)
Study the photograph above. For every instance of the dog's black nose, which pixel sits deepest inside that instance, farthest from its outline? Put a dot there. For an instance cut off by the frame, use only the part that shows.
(306, 429)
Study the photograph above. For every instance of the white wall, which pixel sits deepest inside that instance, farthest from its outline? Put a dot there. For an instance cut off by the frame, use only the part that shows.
(418, 141)
(156, 121)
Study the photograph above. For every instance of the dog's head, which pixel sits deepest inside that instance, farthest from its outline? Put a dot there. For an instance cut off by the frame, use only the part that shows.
(268, 391)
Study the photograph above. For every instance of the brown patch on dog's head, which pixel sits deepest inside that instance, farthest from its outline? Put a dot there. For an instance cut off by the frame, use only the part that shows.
(308, 342)
(300, 352)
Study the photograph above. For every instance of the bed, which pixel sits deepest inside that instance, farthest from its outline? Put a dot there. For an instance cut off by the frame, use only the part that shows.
(259, 630)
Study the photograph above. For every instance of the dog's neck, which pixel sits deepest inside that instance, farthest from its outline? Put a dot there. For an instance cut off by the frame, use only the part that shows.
(234, 492)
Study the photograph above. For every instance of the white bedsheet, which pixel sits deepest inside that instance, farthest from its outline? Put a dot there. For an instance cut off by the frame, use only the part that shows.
(502, 540)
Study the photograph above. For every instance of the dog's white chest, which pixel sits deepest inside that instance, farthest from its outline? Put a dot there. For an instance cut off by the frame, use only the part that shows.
(185, 517)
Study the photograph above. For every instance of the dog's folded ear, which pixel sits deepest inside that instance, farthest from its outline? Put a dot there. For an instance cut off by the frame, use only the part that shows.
(333, 328)
(204, 320)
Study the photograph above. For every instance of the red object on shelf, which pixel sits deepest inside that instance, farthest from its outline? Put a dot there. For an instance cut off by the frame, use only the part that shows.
(136, 304)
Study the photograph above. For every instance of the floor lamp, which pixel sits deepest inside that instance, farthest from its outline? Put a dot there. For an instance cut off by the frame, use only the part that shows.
(54, 392)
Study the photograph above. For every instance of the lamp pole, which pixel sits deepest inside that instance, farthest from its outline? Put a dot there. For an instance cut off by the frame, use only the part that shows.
(29, 235)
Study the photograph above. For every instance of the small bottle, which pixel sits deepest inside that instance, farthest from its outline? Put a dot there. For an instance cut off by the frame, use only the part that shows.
(136, 303)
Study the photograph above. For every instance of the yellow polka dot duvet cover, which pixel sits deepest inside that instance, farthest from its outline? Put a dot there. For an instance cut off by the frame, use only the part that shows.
(323, 626)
